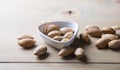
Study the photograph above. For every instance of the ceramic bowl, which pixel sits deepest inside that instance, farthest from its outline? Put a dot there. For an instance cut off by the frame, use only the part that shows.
(55, 43)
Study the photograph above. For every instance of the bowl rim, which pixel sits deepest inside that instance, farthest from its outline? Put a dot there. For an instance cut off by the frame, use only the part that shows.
(75, 32)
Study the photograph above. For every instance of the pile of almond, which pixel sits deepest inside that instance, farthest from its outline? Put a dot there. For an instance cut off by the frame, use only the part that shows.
(109, 36)
(53, 31)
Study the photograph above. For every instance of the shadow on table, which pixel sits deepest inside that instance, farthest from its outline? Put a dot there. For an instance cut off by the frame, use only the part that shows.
(116, 50)
(30, 48)
(44, 56)
(78, 43)
(72, 56)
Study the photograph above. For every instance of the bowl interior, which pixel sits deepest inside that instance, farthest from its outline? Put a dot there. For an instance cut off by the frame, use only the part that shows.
(60, 24)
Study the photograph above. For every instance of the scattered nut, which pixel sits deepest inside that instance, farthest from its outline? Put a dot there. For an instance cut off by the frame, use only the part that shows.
(64, 30)
(84, 37)
(40, 50)
(26, 43)
(64, 40)
(108, 30)
(58, 38)
(102, 43)
(66, 51)
(25, 36)
(118, 32)
(114, 44)
(79, 52)
(68, 35)
(52, 27)
(110, 36)
(91, 26)
(54, 33)
(116, 27)
(93, 31)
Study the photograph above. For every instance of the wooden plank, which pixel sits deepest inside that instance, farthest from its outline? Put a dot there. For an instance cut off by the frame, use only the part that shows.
(57, 66)
(22, 17)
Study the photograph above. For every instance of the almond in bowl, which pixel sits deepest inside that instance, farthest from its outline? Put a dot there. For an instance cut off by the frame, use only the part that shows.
(62, 33)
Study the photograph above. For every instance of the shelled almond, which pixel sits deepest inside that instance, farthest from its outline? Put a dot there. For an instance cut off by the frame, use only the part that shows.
(79, 52)
(109, 35)
(93, 31)
(40, 50)
(26, 41)
(62, 34)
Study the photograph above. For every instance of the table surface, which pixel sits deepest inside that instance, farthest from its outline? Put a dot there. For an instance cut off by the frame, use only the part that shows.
(19, 17)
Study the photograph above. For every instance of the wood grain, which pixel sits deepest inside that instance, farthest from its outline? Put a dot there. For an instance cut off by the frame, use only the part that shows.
(59, 66)
(19, 17)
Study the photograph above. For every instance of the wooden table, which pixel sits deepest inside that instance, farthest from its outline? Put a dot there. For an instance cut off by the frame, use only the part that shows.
(19, 17)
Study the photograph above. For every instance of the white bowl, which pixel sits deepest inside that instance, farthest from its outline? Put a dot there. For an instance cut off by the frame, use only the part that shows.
(55, 43)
